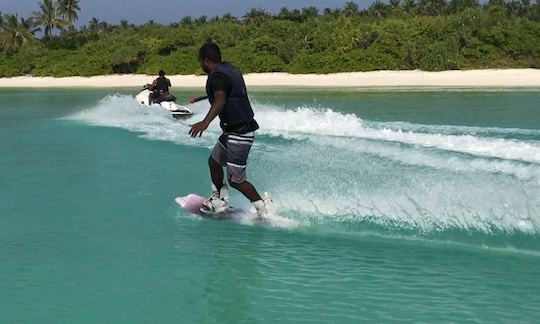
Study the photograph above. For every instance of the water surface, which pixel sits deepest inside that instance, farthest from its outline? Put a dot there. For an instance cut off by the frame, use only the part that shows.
(421, 206)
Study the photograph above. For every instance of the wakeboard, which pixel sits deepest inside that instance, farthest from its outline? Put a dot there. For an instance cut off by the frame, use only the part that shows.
(193, 203)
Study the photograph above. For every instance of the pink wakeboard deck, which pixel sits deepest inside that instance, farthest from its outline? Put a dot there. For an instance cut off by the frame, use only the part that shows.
(193, 204)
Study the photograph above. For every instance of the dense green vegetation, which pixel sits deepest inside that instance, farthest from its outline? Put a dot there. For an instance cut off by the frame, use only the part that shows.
(425, 34)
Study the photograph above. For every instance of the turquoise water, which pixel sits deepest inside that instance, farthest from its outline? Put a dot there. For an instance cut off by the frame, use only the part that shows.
(421, 206)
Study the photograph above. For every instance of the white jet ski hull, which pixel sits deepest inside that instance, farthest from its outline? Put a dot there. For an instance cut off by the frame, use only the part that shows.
(177, 111)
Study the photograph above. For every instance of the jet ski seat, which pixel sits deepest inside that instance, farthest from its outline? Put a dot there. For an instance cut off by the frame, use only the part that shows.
(164, 98)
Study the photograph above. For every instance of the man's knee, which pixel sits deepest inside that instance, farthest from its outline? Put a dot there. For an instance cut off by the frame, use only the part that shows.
(212, 162)
(235, 185)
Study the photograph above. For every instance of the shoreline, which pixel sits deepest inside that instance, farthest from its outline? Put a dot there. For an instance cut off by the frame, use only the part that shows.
(491, 78)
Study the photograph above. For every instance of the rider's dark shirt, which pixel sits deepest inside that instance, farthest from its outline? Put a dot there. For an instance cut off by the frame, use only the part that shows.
(221, 82)
(162, 84)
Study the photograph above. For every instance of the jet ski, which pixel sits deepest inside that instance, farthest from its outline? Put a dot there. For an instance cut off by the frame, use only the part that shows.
(165, 102)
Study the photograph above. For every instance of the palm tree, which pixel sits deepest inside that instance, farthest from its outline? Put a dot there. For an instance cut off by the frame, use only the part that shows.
(350, 8)
(455, 6)
(409, 6)
(186, 21)
(69, 10)
(124, 24)
(284, 13)
(48, 17)
(256, 16)
(105, 27)
(229, 18)
(15, 33)
(378, 9)
(331, 12)
(394, 4)
(535, 11)
(310, 12)
(93, 26)
(519, 8)
(201, 20)
(431, 7)
(496, 3)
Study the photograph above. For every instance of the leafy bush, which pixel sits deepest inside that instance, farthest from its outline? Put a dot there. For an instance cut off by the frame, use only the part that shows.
(8, 67)
(423, 35)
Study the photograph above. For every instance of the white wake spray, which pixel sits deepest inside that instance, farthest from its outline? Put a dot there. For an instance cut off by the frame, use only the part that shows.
(335, 165)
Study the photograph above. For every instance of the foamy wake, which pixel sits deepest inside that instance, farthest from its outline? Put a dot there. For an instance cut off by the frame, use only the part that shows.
(305, 121)
(121, 111)
(456, 130)
(427, 177)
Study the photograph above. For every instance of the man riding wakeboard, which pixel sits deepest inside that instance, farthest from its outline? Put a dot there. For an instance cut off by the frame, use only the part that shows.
(227, 94)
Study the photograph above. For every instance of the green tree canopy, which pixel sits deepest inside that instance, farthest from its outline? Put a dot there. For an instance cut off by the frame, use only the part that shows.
(387, 35)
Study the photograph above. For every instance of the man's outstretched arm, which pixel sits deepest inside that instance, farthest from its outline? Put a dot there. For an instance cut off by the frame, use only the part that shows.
(219, 102)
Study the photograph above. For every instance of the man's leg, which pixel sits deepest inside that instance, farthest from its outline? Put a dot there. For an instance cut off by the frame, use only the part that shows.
(247, 189)
(238, 149)
(216, 173)
(219, 200)
(239, 146)
(264, 207)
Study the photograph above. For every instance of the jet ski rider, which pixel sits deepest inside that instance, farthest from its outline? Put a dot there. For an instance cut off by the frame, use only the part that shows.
(159, 88)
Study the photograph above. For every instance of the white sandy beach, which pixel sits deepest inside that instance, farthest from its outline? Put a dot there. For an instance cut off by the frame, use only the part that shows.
(470, 78)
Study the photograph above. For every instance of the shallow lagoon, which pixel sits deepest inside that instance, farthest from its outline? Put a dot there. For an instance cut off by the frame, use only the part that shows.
(407, 205)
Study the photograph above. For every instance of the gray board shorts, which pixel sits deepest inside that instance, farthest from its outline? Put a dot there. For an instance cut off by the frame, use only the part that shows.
(232, 151)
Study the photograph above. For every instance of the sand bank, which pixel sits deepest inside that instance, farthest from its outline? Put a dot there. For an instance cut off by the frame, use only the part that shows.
(469, 78)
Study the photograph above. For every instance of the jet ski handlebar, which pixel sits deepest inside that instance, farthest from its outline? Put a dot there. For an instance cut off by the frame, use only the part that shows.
(194, 100)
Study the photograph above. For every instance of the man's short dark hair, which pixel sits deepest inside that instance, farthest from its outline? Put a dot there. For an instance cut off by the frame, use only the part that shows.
(161, 73)
(210, 51)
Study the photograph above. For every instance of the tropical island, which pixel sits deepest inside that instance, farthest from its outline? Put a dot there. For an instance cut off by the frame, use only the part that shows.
(427, 35)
